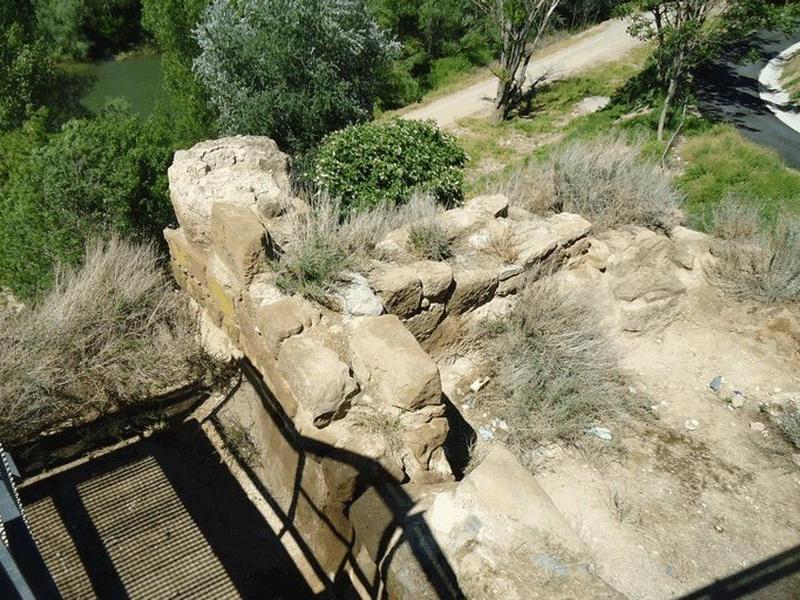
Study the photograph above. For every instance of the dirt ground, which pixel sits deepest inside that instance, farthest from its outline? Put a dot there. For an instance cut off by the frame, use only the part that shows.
(701, 492)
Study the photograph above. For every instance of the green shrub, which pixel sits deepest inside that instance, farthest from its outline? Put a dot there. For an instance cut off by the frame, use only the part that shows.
(294, 70)
(27, 77)
(375, 164)
(96, 176)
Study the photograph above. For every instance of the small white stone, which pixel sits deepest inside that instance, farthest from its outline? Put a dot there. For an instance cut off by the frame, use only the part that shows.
(757, 426)
(692, 424)
(478, 384)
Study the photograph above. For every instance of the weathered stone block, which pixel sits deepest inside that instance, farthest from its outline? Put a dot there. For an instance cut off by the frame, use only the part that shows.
(489, 207)
(392, 365)
(400, 289)
(473, 288)
(437, 279)
(424, 323)
(320, 382)
(459, 221)
(282, 319)
(239, 239)
(568, 227)
(247, 171)
(189, 263)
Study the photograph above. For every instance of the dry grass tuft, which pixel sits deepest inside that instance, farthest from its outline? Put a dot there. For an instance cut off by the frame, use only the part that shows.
(109, 334)
(428, 240)
(606, 180)
(388, 427)
(503, 245)
(754, 263)
(325, 240)
(555, 372)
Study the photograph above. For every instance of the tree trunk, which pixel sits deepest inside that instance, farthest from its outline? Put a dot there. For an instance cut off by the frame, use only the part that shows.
(662, 121)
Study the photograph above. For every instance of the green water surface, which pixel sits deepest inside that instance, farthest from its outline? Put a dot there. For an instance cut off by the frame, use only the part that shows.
(137, 80)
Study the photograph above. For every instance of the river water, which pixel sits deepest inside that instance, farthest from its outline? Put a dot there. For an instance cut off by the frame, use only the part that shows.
(137, 80)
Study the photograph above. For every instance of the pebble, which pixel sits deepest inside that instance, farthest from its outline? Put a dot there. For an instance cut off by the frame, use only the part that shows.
(486, 434)
(719, 528)
(737, 402)
(716, 383)
(757, 426)
(692, 424)
(602, 433)
(478, 384)
(500, 424)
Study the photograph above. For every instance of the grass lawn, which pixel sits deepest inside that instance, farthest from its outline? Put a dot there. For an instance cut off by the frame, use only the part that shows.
(721, 162)
(715, 159)
(791, 77)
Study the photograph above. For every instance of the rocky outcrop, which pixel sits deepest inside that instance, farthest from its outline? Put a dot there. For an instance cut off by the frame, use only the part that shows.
(323, 366)
(350, 373)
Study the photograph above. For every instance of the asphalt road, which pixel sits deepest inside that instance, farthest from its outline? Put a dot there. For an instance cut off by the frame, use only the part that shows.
(728, 91)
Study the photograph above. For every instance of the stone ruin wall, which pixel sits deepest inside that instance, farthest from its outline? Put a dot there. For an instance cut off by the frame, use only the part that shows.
(343, 373)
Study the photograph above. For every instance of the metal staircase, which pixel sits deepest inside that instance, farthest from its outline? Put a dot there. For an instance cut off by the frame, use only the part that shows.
(22, 572)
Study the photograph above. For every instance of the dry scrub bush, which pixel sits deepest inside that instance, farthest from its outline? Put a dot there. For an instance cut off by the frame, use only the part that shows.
(325, 240)
(555, 372)
(428, 240)
(735, 220)
(111, 333)
(605, 180)
(754, 263)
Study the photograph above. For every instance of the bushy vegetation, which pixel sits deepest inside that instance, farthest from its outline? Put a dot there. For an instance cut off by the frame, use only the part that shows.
(756, 261)
(81, 28)
(290, 69)
(105, 336)
(376, 164)
(27, 76)
(171, 24)
(439, 38)
(555, 372)
(96, 176)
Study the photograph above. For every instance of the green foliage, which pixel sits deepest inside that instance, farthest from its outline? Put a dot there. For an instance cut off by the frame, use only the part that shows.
(721, 162)
(290, 69)
(375, 164)
(440, 38)
(97, 176)
(81, 28)
(26, 76)
(171, 23)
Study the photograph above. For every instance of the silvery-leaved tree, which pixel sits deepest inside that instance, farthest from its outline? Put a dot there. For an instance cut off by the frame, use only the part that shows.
(520, 24)
(294, 70)
(689, 32)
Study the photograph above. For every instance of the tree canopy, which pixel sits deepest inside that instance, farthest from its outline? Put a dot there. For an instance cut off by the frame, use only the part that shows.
(290, 69)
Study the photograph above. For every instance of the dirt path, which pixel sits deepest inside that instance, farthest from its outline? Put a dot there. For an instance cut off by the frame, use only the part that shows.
(604, 43)
(679, 508)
